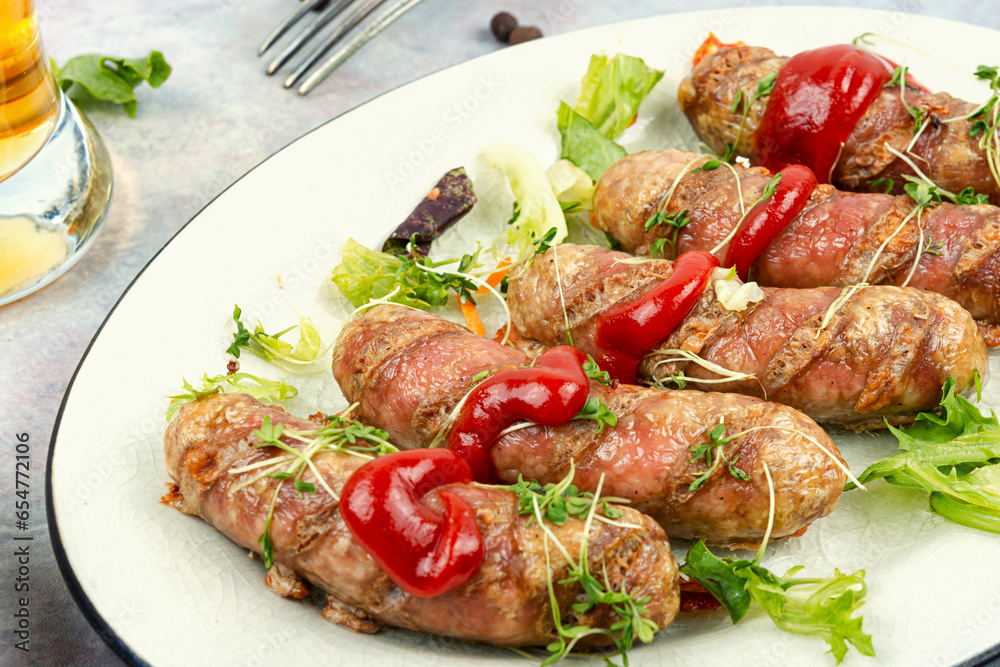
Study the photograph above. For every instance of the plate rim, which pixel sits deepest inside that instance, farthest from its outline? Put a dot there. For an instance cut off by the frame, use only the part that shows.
(104, 630)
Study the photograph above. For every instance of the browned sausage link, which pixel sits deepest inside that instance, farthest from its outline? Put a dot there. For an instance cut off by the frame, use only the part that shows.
(944, 150)
(506, 602)
(884, 353)
(832, 241)
(411, 386)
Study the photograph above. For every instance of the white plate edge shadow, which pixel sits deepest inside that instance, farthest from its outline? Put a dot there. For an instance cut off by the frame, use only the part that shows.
(109, 609)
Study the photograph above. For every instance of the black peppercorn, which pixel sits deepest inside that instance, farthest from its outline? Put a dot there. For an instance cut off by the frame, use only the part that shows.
(502, 25)
(524, 34)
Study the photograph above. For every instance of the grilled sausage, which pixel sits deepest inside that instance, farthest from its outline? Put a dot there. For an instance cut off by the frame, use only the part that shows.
(833, 241)
(885, 352)
(506, 602)
(408, 370)
(944, 150)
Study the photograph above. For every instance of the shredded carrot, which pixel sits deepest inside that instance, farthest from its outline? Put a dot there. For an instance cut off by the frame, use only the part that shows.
(472, 317)
(710, 46)
(495, 277)
(593, 219)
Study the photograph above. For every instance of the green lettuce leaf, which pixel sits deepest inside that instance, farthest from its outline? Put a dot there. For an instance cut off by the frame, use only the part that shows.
(822, 607)
(718, 577)
(111, 79)
(954, 457)
(265, 391)
(270, 347)
(584, 145)
(612, 90)
(364, 274)
(959, 417)
(539, 221)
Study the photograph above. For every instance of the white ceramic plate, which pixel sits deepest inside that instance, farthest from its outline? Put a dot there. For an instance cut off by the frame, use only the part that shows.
(167, 589)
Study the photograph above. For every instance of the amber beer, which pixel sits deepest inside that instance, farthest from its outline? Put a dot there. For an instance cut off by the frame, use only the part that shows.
(28, 95)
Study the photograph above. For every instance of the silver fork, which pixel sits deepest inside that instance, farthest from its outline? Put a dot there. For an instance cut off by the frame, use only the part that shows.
(372, 15)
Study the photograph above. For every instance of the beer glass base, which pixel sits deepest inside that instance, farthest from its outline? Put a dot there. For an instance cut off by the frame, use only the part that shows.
(52, 209)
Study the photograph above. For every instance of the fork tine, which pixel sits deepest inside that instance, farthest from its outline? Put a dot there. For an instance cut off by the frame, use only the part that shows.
(396, 9)
(287, 23)
(359, 10)
(324, 17)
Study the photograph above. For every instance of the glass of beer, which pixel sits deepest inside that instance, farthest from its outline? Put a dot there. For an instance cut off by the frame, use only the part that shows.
(55, 174)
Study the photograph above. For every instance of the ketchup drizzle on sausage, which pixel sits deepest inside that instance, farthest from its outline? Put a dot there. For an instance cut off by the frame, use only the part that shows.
(818, 98)
(550, 393)
(424, 552)
(768, 218)
(627, 331)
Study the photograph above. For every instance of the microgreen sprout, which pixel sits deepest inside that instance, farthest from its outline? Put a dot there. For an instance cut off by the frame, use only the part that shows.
(559, 501)
(885, 184)
(769, 190)
(713, 453)
(932, 247)
(899, 79)
(594, 372)
(593, 410)
(631, 612)
(681, 380)
(338, 434)
(742, 102)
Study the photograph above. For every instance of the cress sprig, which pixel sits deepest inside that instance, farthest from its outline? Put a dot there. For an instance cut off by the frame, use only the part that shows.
(337, 434)
(765, 86)
(631, 611)
(713, 452)
(558, 501)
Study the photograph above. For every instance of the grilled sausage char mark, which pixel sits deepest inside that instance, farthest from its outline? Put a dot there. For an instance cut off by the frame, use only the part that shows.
(408, 370)
(884, 353)
(505, 603)
(944, 150)
(832, 242)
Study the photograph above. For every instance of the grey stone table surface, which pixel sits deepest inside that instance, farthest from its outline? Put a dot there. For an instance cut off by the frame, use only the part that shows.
(216, 118)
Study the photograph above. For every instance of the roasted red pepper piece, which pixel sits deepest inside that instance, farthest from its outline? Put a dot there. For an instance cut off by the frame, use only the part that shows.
(627, 331)
(424, 552)
(551, 392)
(818, 98)
(768, 218)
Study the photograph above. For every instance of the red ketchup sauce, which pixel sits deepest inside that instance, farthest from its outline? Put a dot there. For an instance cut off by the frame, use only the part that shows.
(424, 552)
(818, 98)
(550, 393)
(768, 218)
(627, 331)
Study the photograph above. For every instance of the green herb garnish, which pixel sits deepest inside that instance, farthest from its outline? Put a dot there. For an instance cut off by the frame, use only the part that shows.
(106, 78)
(270, 347)
(819, 607)
(364, 275)
(337, 434)
(712, 451)
(954, 456)
(557, 502)
(886, 184)
(266, 391)
(744, 102)
(597, 411)
(594, 372)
